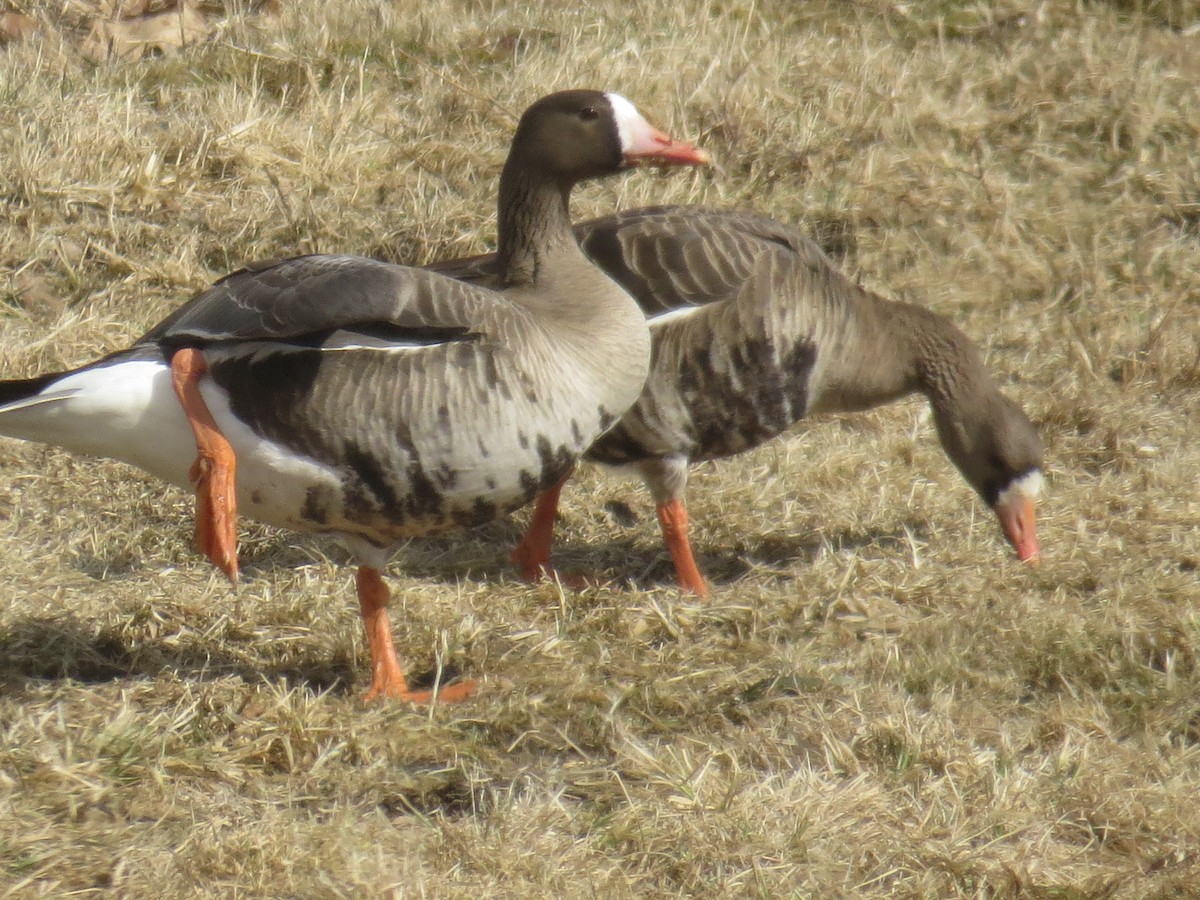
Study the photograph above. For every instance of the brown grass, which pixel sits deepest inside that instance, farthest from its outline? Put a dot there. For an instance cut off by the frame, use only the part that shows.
(876, 702)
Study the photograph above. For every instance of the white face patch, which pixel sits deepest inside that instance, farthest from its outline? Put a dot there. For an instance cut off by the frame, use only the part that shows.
(1028, 485)
(631, 127)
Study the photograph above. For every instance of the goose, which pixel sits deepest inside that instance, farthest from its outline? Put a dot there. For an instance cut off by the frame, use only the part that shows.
(375, 402)
(754, 328)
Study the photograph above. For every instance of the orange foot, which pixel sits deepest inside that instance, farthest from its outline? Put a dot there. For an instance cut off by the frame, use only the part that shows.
(387, 678)
(216, 513)
(451, 693)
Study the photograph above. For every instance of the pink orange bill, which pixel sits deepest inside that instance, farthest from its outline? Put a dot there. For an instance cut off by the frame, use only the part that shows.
(656, 147)
(642, 142)
(1019, 521)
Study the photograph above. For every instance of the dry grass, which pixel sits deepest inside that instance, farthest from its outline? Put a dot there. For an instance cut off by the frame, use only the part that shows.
(875, 702)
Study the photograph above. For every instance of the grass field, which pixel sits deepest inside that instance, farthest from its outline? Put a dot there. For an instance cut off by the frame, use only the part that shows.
(877, 700)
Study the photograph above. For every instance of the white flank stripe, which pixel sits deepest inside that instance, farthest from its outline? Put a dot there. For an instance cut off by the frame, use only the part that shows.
(671, 315)
(54, 395)
(383, 348)
(264, 350)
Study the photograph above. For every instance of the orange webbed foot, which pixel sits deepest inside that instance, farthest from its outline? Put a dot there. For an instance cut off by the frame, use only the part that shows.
(387, 678)
(216, 514)
(450, 693)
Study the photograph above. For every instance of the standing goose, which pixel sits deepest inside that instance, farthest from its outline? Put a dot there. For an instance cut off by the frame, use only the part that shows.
(375, 402)
(754, 328)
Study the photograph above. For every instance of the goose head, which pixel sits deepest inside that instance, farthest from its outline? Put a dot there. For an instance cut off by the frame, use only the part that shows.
(998, 451)
(575, 135)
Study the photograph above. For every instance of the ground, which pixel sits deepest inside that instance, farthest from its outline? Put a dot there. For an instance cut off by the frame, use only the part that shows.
(876, 701)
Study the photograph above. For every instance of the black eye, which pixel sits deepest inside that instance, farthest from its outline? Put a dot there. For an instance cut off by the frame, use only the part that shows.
(588, 113)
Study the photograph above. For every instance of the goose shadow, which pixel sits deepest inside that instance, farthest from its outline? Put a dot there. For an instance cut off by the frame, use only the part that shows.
(63, 649)
(623, 558)
(628, 558)
(482, 553)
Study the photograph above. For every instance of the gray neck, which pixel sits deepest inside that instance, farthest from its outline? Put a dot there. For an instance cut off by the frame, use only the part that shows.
(543, 270)
(885, 349)
(949, 369)
(533, 222)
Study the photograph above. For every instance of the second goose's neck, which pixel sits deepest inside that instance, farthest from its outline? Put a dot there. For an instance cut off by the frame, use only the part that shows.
(533, 223)
(950, 372)
(887, 349)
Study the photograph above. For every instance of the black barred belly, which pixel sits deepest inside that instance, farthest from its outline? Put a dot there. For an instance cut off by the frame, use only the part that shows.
(730, 408)
(366, 501)
(398, 458)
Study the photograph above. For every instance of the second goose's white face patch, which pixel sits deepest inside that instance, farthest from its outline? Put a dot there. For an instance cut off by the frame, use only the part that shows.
(630, 124)
(1028, 485)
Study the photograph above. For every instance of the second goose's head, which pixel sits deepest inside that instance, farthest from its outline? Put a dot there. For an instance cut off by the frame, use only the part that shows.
(997, 449)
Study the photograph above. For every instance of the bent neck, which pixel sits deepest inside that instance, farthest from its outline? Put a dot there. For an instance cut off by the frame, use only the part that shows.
(886, 349)
(965, 401)
(949, 369)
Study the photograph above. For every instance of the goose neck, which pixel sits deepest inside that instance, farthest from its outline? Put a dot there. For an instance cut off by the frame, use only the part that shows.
(949, 369)
(533, 222)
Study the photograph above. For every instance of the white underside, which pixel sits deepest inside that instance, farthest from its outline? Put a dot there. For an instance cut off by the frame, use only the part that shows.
(129, 411)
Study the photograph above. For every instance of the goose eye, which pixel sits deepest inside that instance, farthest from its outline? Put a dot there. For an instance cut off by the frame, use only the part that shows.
(588, 113)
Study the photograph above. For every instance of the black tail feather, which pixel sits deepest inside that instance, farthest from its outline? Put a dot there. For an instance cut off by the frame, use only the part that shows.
(24, 388)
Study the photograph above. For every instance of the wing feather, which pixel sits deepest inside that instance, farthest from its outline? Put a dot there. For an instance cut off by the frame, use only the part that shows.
(327, 300)
(671, 258)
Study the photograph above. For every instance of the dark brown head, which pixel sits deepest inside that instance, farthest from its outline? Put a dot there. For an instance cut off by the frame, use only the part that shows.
(997, 449)
(574, 135)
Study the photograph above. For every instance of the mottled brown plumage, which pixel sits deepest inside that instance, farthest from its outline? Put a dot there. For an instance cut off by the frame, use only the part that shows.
(754, 328)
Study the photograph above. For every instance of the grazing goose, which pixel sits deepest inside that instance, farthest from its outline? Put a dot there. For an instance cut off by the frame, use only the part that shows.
(754, 328)
(373, 401)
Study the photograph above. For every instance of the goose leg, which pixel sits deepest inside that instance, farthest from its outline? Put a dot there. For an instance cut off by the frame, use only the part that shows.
(666, 477)
(214, 473)
(532, 555)
(387, 678)
(673, 518)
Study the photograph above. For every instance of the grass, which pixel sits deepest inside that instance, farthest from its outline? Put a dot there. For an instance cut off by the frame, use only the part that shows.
(875, 702)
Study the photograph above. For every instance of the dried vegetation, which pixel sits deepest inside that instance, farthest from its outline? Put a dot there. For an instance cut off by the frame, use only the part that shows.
(876, 702)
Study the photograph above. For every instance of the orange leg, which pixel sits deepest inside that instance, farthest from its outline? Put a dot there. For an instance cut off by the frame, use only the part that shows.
(387, 679)
(672, 516)
(215, 470)
(532, 555)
